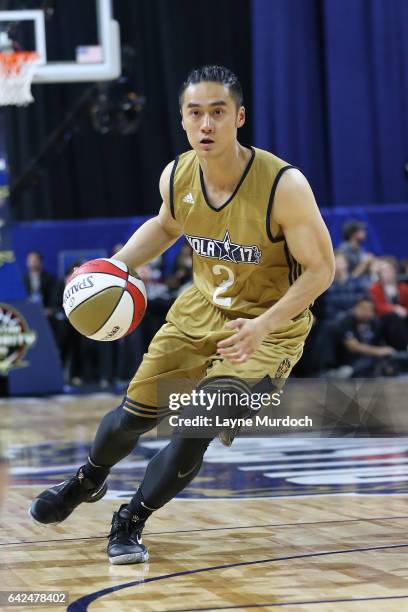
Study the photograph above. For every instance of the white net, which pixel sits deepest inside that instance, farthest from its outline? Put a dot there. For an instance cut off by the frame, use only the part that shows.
(16, 75)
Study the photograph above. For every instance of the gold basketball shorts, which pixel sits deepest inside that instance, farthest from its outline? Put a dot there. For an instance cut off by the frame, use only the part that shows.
(184, 352)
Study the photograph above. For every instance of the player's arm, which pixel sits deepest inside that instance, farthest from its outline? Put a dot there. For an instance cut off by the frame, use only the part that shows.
(155, 235)
(296, 212)
(355, 346)
(308, 239)
(363, 266)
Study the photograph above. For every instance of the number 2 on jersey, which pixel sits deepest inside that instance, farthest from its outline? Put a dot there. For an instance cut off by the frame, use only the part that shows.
(218, 291)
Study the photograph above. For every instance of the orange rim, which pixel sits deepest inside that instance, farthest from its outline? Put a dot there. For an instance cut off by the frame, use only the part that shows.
(13, 63)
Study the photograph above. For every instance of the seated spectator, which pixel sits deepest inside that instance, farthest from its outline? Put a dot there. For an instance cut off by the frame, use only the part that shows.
(337, 301)
(39, 284)
(182, 276)
(69, 341)
(403, 271)
(158, 299)
(359, 261)
(361, 342)
(345, 291)
(390, 298)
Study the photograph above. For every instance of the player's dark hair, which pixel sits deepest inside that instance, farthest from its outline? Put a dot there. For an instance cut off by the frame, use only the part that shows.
(351, 227)
(363, 298)
(214, 74)
(39, 255)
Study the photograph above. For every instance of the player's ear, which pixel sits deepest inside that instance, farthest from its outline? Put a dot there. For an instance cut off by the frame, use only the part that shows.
(241, 116)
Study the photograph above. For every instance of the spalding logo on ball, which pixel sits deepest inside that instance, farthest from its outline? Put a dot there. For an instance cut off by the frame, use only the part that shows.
(104, 300)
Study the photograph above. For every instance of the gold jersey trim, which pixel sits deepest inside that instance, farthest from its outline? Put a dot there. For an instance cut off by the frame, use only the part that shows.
(270, 205)
(173, 172)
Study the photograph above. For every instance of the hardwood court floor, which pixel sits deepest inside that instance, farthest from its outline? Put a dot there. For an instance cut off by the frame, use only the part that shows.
(267, 524)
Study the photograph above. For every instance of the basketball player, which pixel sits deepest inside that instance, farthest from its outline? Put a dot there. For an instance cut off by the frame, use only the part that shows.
(262, 254)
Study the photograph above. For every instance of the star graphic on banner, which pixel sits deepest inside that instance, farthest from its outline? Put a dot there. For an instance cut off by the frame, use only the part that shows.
(226, 248)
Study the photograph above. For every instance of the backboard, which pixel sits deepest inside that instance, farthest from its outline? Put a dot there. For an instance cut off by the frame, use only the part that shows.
(75, 41)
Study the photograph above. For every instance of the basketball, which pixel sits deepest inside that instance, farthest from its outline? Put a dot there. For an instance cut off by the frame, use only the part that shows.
(104, 300)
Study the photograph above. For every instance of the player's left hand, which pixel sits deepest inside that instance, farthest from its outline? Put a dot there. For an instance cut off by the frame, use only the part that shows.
(239, 347)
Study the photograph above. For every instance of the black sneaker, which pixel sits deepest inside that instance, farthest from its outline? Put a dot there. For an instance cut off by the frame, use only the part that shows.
(55, 504)
(125, 539)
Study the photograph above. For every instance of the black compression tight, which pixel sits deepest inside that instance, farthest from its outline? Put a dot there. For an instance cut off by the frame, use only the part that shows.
(172, 469)
(174, 466)
(117, 435)
(167, 473)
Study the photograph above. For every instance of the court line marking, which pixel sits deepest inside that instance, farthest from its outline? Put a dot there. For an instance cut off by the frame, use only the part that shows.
(369, 492)
(81, 604)
(158, 533)
(291, 603)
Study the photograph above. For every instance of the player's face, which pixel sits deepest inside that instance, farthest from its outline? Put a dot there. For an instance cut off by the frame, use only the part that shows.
(364, 311)
(387, 273)
(33, 262)
(210, 118)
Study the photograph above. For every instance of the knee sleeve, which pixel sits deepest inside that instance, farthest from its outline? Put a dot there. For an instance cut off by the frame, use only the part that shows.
(228, 395)
(134, 423)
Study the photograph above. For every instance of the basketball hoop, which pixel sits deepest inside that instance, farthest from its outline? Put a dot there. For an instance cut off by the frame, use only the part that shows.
(16, 75)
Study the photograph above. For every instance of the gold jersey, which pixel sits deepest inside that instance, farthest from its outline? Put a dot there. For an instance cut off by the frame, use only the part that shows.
(239, 266)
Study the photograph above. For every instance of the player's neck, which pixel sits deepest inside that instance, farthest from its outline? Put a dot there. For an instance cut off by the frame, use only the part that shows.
(224, 172)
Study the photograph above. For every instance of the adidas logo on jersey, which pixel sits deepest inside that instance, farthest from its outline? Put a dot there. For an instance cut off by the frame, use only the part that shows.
(188, 199)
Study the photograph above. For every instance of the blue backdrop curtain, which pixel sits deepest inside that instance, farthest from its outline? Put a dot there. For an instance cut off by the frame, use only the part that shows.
(330, 94)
